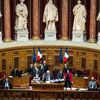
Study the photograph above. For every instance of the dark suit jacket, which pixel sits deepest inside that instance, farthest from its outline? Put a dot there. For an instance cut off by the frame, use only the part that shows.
(30, 70)
(65, 69)
(14, 73)
(45, 68)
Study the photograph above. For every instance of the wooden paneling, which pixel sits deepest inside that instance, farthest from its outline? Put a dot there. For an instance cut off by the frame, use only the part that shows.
(16, 62)
(3, 62)
(80, 58)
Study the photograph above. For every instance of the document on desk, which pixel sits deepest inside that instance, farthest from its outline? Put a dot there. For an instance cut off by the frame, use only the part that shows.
(82, 89)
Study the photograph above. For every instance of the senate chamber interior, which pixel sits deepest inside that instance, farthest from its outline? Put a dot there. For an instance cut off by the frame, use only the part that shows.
(50, 49)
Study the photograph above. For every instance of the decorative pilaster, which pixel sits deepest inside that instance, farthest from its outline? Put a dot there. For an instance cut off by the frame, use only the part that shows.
(35, 19)
(7, 21)
(64, 20)
(92, 38)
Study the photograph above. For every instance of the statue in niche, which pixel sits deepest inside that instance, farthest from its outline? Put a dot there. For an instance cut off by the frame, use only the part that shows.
(50, 16)
(21, 16)
(98, 18)
(0, 14)
(0, 20)
(80, 13)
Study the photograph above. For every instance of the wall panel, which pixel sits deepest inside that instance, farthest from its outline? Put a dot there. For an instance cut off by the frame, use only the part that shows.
(87, 60)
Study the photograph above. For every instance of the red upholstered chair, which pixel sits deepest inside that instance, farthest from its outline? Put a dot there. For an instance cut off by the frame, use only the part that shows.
(95, 75)
(86, 72)
(2, 74)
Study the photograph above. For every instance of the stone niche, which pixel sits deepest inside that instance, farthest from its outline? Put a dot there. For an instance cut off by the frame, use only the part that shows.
(79, 36)
(22, 35)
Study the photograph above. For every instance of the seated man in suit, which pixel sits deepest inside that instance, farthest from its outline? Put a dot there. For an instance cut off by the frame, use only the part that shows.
(41, 71)
(36, 71)
(92, 85)
(47, 76)
(30, 69)
(6, 84)
(15, 72)
(60, 75)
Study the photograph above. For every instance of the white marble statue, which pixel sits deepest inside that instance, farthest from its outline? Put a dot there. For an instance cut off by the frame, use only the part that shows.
(98, 18)
(0, 28)
(80, 13)
(21, 16)
(50, 15)
(0, 14)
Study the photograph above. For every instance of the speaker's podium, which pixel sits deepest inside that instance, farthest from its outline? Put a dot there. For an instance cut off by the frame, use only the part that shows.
(22, 35)
(50, 35)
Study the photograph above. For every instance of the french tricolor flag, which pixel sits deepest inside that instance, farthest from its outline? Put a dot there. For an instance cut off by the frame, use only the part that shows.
(39, 56)
(66, 56)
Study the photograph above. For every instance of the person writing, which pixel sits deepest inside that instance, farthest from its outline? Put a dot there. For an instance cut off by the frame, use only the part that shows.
(80, 13)
(50, 16)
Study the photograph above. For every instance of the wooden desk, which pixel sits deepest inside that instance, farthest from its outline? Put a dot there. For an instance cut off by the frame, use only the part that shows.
(56, 94)
(81, 95)
(47, 86)
(16, 93)
(80, 82)
(61, 94)
(24, 80)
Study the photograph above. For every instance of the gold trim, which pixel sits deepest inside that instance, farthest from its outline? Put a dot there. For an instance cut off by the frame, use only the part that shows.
(35, 38)
(8, 40)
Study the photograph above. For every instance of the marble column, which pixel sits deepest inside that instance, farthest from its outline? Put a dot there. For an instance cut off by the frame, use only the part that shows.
(64, 20)
(92, 34)
(7, 21)
(35, 19)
